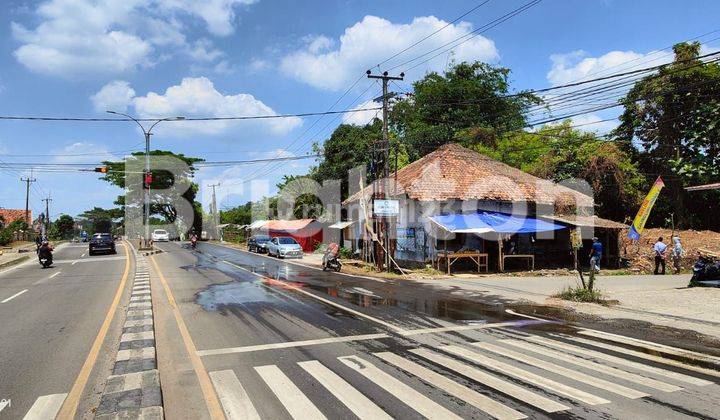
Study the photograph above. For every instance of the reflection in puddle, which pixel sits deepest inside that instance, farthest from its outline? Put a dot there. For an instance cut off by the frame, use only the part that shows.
(235, 293)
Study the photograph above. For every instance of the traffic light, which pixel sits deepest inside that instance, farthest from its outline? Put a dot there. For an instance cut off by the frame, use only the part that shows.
(148, 180)
(102, 169)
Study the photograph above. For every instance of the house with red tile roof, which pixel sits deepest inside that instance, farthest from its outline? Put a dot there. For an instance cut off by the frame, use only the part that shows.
(459, 199)
(8, 216)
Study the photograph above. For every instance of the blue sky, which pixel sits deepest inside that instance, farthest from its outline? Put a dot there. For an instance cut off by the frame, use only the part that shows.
(157, 58)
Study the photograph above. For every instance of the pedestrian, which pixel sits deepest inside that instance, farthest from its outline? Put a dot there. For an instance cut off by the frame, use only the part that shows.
(676, 254)
(595, 255)
(660, 249)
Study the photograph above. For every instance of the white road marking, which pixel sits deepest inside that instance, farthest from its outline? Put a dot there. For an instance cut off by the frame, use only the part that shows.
(235, 401)
(141, 353)
(524, 375)
(646, 356)
(451, 328)
(486, 404)
(294, 401)
(560, 370)
(3, 404)
(620, 361)
(598, 367)
(353, 399)
(415, 400)
(138, 322)
(289, 344)
(83, 255)
(74, 262)
(14, 296)
(650, 345)
(54, 275)
(329, 302)
(45, 407)
(46, 279)
(508, 388)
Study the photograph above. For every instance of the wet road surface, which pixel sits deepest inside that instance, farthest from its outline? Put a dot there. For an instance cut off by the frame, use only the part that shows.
(270, 339)
(49, 319)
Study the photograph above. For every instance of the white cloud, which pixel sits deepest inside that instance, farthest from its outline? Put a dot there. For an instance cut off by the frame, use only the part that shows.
(81, 152)
(372, 40)
(3, 149)
(197, 96)
(362, 117)
(258, 64)
(570, 67)
(115, 96)
(76, 38)
(594, 123)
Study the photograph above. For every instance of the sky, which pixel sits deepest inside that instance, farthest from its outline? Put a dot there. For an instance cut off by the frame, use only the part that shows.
(219, 58)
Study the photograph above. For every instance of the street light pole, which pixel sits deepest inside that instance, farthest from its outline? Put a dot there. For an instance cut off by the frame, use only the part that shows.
(147, 133)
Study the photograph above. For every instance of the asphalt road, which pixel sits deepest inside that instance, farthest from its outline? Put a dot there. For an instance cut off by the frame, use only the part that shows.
(49, 320)
(251, 336)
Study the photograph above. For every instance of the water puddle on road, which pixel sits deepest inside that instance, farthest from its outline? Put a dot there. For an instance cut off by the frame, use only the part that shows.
(217, 296)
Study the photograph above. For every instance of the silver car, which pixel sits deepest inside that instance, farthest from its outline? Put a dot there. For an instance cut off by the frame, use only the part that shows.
(284, 247)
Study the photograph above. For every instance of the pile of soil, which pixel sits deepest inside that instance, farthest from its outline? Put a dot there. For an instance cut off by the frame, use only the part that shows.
(642, 256)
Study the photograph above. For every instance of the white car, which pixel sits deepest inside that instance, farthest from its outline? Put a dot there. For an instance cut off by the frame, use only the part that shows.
(284, 246)
(160, 235)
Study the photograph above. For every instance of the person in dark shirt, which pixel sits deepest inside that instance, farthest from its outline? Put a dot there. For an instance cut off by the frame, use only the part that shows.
(595, 255)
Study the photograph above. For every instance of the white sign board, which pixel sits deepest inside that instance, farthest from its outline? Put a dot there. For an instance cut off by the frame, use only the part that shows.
(386, 207)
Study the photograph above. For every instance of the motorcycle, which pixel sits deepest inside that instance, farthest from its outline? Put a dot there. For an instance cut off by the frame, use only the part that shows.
(706, 271)
(330, 259)
(193, 242)
(45, 257)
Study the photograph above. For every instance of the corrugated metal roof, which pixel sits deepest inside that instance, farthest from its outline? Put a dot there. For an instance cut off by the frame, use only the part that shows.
(585, 221)
(287, 225)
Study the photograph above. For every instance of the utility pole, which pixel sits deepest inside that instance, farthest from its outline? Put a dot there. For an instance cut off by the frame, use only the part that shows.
(213, 209)
(382, 170)
(27, 182)
(47, 215)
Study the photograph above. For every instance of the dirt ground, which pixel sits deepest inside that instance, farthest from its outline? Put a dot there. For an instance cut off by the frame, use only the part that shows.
(642, 257)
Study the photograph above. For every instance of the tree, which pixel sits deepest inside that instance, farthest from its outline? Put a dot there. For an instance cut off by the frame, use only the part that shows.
(161, 180)
(470, 104)
(671, 125)
(100, 219)
(349, 147)
(240, 215)
(560, 152)
(65, 226)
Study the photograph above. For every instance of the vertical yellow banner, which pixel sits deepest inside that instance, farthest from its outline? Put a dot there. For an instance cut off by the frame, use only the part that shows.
(644, 212)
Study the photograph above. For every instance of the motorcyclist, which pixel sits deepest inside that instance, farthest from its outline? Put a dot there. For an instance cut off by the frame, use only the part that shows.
(193, 238)
(45, 251)
(330, 258)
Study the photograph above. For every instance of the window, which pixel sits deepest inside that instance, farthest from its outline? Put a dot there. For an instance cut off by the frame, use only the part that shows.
(288, 241)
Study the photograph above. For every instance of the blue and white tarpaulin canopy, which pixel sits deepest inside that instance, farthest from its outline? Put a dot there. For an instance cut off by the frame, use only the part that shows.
(491, 221)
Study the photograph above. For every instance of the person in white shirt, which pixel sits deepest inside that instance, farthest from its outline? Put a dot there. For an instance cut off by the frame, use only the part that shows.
(660, 253)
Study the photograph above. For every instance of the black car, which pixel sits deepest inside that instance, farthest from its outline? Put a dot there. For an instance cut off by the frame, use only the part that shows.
(102, 242)
(258, 243)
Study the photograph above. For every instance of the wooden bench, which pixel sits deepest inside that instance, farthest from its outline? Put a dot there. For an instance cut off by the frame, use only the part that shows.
(479, 258)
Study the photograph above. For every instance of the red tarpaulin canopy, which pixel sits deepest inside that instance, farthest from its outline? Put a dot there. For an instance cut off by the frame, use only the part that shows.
(307, 232)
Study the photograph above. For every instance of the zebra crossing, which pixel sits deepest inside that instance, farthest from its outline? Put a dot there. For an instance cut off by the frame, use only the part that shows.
(507, 378)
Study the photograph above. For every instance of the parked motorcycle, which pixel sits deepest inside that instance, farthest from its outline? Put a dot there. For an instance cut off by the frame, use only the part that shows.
(331, 260)
(706, 271)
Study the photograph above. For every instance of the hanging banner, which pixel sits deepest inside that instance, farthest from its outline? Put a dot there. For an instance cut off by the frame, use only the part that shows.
(642, 215)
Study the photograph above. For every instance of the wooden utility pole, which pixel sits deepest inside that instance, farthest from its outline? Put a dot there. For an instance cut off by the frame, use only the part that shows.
(27, 182)
(382, 170)
(47, 215)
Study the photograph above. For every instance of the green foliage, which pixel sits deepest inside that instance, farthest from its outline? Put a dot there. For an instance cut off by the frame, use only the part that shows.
(305, 205)
(100, 220)
(579, 294)
(65, 226)
(18, 225)
(469, 104)
(5, 236)
(560, 152)
(160, 180)
(671, 124)
(240, 215)
(349, 147)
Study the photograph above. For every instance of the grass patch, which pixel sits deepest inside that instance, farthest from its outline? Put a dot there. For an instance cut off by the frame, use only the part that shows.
(579, 294)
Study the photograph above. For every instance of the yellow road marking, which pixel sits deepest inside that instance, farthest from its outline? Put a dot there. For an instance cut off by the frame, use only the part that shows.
(211, 399)
(70, 405)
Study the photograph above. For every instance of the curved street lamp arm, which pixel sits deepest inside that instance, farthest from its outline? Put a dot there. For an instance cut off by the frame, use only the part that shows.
(132, 118)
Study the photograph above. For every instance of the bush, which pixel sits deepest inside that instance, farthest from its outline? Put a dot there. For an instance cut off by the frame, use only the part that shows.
(5, 236)
(345, 252)
(579, 294)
